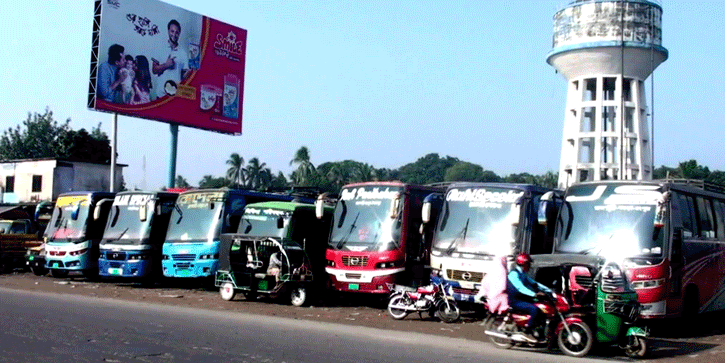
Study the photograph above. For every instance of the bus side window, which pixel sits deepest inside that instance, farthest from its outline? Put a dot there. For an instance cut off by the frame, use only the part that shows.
(720, 219)
(686, 205)
(704, 208)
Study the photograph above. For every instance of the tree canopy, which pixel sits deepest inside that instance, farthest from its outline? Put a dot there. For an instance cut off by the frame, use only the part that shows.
(41, 136)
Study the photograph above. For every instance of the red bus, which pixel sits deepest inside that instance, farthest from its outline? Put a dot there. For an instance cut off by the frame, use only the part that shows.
(376, 237)
(669, 235)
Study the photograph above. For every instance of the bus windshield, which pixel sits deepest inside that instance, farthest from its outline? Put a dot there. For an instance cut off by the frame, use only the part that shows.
(363, 222)
(124, 223)
(196, 217)
(478, 220)
(612, 220)
(258, 222)
(64, 228)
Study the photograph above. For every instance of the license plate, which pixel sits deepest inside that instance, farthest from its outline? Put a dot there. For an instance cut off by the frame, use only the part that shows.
(115, 271)
(183, 272)
(353, 287)
(55, 265)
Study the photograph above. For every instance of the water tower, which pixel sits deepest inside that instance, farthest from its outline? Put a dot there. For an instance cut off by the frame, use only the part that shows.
(606, 50)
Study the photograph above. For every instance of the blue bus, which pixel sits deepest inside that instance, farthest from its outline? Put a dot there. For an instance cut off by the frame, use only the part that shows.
(75, 231)
(135, 232)
(191, 248)
(482, 221)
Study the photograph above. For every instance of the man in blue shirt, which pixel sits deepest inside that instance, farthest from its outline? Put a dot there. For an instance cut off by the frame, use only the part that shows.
(108, 79)
(521, 289)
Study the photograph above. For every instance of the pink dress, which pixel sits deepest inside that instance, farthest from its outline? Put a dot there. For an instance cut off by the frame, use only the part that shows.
(493, 287)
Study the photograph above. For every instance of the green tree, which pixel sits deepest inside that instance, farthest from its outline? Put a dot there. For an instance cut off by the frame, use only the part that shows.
(181, 182)
(521, 178)
(254, 172)
(209, 181)
(692, 170)
(464, 171)
(430, 168)
(717, 177)
(305, 172)
(236, 173)
(37, 137)
(80, 145)
(548, 179)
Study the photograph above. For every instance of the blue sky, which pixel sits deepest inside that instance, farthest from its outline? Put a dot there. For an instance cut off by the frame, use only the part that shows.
(379, 82)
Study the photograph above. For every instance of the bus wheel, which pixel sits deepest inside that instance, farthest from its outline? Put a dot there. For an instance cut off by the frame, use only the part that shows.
(59, 273)
(298, 296)
(227, 291)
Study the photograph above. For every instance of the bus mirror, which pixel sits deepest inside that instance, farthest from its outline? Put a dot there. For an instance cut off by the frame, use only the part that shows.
(97, 209)
(394, 206)
(548, 196)
(211, 205)
(75, 211)
(280, 222)
(659, 220)
(142, 210)
(319, 208)
(543, 206)
(425, 212)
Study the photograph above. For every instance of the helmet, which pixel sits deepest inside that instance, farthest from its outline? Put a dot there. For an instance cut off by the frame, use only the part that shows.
(523, 258)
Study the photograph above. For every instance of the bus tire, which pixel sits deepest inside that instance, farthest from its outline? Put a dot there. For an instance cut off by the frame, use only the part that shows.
(59, 273)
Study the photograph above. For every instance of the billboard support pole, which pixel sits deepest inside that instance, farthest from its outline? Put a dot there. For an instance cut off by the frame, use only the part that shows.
(113, 153)
(172, 154)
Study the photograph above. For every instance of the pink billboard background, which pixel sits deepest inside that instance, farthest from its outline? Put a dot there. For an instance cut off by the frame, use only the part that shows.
(209, 97)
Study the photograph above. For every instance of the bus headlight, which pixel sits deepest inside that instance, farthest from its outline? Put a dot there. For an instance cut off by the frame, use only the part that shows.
(648, 284)
(209, 256)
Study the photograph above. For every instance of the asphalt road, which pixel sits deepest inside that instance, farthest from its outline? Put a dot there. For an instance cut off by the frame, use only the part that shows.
(40, 326)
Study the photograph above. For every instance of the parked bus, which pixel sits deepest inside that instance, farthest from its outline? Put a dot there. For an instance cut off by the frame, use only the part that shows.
(670, 236)
(480, 222)
(375, 237)
(135, 232)
(191, 248)
(75, 231)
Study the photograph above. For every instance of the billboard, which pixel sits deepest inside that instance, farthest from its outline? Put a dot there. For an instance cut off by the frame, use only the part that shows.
(160, 62)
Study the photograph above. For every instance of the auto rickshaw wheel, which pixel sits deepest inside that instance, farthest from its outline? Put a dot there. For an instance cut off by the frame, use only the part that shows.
(298, 296)
(227, 291)
(638, 349)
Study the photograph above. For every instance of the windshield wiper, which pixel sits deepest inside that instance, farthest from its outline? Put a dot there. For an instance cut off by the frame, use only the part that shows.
(454, 243)
(120, 234)
(347, 236)
(181, 214)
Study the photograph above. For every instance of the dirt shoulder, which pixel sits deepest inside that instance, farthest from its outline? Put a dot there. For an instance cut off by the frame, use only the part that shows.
(708, 344)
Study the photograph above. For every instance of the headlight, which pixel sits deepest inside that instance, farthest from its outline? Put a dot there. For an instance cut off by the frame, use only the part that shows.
(139, 257)
(78, 253)
(648, 284)
(209, 257)
(330, 263)
(389, 264)
(164, 257)
(435, 272)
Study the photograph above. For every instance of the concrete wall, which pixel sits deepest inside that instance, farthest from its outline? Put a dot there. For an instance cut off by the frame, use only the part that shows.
(57, 177)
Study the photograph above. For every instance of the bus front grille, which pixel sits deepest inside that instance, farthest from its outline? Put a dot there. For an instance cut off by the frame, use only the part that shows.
(460, 275)
(360, 261)
(184, 257)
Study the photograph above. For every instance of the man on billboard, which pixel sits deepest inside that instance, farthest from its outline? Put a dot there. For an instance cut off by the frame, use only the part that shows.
(174, 69)
(109, 79)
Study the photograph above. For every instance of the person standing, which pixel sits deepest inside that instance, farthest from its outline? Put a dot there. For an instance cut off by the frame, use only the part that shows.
(175, 65)
(109, 81)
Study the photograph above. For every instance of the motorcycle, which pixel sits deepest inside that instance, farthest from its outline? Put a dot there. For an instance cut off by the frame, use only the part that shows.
(603, 309)
(433, 299)
(560, 323)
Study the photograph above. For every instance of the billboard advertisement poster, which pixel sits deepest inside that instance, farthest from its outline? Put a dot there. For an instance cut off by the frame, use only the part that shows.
(157, 61)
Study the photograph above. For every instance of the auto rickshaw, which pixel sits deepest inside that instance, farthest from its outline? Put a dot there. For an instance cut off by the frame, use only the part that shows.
(278, 250)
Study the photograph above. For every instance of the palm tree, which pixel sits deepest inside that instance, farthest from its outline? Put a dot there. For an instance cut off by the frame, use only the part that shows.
(305, 170)
(365, 172)
(236, 172)
(254, 173)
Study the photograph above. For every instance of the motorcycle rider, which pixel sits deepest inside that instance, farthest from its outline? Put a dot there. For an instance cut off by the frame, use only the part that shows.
(522, 289)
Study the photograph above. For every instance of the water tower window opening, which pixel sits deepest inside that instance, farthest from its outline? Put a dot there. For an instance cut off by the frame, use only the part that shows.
(609, 117)
(590, 89)
(588, 118)
(609, 86)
